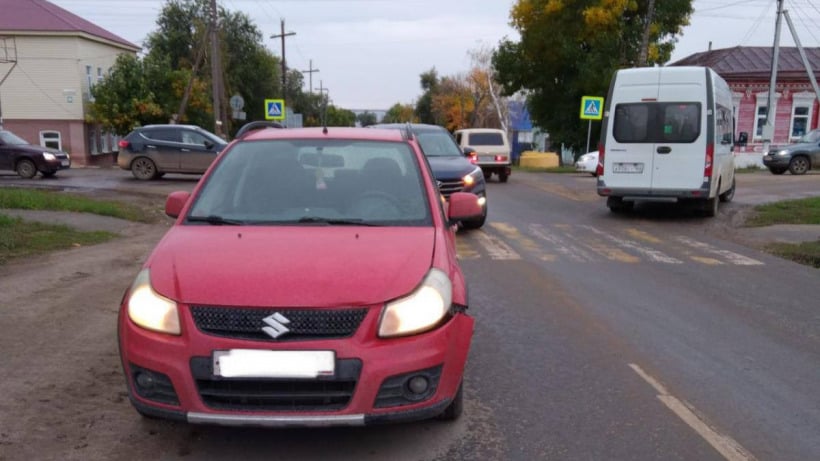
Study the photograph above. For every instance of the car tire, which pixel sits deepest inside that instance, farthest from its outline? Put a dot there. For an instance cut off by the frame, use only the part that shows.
(143, 168)
(618, 205)
(710, 207)
(475, 223)
(727, 196)
(777, 171)
(456, 407)
(26, 168)
(799, 165)
(502, 176)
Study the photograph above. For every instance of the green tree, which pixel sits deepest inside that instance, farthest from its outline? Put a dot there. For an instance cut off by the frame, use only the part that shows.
(400, 113)
(367, 118)
(124, 99)
(571, 48)
(340, 117)
(424, 105)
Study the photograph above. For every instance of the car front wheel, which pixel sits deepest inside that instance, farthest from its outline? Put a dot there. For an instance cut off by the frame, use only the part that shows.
(799, 165)
(26, 169)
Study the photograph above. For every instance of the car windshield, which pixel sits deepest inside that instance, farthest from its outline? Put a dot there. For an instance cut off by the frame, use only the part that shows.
(811, 136)
(10, 138)
(314, 182)
(438, 144)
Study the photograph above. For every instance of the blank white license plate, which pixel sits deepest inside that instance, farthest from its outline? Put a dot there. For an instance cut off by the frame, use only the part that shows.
(627, 167)
(64, 162)
(251, 363)
(486, 158)
(767, 157)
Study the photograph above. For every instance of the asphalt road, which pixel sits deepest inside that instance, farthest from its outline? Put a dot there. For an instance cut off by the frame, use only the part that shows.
(653, 335)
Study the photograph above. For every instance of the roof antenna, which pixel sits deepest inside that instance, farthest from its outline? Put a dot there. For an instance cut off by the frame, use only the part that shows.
(408, 130)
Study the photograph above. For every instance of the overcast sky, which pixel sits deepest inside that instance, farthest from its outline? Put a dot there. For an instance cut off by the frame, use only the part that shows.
(370, 52)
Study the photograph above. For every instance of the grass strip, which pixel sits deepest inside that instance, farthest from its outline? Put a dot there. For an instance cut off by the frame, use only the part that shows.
(801, 211)
(20, 238)
(34, 199)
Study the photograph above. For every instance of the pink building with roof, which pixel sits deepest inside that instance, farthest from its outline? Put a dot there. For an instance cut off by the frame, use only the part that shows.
(747, 71)
(52, 58)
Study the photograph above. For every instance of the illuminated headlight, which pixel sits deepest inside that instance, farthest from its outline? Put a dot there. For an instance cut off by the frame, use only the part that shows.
(49, 156)
(422, 310)
(782, 152)
(150, 310)
(473, 177)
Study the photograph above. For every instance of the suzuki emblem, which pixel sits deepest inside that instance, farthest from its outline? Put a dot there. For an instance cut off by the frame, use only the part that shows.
(276, 325)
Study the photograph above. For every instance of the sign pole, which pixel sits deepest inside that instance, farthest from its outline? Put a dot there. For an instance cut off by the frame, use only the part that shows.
(589, 134)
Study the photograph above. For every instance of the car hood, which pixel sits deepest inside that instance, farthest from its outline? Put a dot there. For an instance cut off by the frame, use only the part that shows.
(450, 167)
(32, 149)
(791, 148)
(290, 266)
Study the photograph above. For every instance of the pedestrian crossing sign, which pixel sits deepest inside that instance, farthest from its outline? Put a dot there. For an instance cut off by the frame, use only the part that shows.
(592, 108)
(274, 109)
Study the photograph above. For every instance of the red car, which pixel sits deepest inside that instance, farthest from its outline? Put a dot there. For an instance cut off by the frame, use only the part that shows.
(310, 279)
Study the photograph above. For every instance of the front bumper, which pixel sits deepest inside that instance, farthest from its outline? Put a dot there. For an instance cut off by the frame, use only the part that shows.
(776, 161)
(179, 358)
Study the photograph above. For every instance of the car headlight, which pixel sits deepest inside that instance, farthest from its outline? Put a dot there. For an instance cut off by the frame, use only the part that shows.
(782, 152)
(420, 311)
(472, 177)
(150, 310)
(49, 156)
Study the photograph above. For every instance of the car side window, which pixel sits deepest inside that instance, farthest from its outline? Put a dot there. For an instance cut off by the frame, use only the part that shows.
(163, 135)
(193, 138)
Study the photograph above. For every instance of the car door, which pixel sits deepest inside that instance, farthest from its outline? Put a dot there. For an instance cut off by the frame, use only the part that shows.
(6, 156)
(163, 146)
(196, 152)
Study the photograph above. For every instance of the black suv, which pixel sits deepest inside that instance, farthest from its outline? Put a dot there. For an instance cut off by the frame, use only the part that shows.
(27, 160)
(153, 150)
(451, 168)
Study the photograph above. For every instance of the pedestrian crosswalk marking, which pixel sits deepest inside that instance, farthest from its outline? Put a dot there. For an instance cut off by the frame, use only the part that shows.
(734, 258)
(586, 243)
(652, 254)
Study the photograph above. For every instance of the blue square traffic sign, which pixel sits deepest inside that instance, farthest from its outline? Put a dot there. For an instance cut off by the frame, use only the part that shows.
(274, 109)
(592, 108)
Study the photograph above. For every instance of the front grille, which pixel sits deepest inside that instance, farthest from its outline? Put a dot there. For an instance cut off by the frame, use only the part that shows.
(305, 324)
(448, 186)
(322, 394)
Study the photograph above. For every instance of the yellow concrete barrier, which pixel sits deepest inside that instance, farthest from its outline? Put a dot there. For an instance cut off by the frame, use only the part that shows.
(532, 159)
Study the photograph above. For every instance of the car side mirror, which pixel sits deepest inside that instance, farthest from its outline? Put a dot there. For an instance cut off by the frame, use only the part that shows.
(209, 144)
(742, 139)
(175, 202)
(468, 151)
(463, 205)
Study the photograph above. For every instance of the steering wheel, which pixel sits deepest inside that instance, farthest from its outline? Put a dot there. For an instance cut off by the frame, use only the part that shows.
(377, 205)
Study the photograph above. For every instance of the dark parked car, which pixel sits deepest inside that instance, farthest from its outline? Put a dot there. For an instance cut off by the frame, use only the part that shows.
(453, 170)
(27, 160)
(153, 150)
(797, 158)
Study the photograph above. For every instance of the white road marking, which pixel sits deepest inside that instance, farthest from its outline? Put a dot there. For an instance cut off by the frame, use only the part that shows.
(652, 254)
(725, 445)
(572, 252)
(496, 248)
(732, 257)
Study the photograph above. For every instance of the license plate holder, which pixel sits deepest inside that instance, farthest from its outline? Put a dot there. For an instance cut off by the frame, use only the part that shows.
(627, 167)
(253, 363)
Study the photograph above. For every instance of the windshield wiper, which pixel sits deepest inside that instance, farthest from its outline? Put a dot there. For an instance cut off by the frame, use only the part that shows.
(215, 220)
(335, 221)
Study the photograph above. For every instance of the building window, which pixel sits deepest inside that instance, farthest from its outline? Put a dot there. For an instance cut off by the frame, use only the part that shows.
(51, 139)
(89, 79)
(99, 75)
(802, 104)
(760, 114)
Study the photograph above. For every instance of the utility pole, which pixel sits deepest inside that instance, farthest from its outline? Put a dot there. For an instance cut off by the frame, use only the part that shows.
(650, 13)
(310, 75)
(768, 129)
(282, 35)
(216, 72)
(802, 52)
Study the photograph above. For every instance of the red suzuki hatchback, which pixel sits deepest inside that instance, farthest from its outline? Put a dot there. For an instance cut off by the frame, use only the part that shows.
(310, 279)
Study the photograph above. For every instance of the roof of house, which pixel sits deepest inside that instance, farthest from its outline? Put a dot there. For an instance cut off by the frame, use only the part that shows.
(42, 16)
(755, 62)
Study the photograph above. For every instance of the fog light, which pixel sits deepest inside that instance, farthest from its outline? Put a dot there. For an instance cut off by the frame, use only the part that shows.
(144, 380)
(418, 384)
